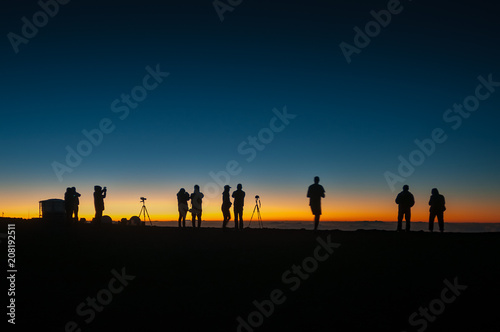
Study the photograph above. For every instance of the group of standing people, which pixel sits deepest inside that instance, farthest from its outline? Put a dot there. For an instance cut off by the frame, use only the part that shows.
(405, 201)
(196, 199)
(72, 202)
(315, 192)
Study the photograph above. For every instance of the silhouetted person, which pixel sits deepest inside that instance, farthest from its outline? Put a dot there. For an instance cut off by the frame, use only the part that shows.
(99, 196)
(76, 203)
(182, 200)
(437, 209)
(68, 204)
(239, 202)
(315, 193)
(226, 206)
(405, 200)
(196, 202)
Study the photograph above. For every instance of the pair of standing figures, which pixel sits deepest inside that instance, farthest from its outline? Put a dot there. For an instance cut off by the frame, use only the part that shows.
(405, 201)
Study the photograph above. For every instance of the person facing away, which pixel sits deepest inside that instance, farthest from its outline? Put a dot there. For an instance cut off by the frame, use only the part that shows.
(315, 193)
(76, 203)
(405, 200)
(196, 202)
(239, 202)
(99, 196)
(437, 209)
(68, 204)
(226, 205)
(182, 201)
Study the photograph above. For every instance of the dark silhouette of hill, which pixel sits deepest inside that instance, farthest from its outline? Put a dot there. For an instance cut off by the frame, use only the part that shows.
(203, 279)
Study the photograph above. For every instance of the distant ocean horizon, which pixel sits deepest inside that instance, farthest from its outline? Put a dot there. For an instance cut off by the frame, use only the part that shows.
(350, 225)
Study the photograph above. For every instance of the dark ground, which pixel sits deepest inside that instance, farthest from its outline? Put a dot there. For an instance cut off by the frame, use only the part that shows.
(202, 280)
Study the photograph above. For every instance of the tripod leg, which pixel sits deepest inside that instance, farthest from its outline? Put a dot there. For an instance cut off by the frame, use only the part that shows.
(252, 215)
(146, 211)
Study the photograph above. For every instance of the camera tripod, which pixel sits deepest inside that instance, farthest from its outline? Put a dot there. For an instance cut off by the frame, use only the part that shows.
(144, 211)
(257, 208)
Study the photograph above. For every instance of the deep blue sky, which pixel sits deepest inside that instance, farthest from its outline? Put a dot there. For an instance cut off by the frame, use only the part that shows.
(353, 120)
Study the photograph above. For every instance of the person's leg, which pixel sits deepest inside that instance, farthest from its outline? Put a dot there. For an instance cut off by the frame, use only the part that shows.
(199, 219)
(98, 216)
(224, 215)
(408, 219)
(441, 221)
(240, 212)
(400, 220)
(76, 214)
(316, 222)
(431, 221)
(180, 219)
(193, 214)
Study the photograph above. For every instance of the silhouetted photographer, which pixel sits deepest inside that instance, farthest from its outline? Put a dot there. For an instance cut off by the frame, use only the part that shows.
(99, 196)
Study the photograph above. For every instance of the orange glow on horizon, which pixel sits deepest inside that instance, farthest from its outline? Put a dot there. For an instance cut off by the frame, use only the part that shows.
(337, 207)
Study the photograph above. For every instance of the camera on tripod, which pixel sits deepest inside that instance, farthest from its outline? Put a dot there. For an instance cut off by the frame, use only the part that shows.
(143, 199)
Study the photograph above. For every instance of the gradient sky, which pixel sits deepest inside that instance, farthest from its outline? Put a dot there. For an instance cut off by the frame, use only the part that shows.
(353, 120)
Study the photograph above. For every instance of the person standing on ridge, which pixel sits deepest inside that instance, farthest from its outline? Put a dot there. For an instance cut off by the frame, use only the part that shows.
(182, 201)
(405, 200)
(68, 204)
(239, 202)
(76, 203)
(437, 209)
(315, 193)
(99, 196)
(196, 203)
(226, 205)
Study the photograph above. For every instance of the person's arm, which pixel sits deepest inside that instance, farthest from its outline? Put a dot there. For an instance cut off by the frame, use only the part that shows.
(309, 192)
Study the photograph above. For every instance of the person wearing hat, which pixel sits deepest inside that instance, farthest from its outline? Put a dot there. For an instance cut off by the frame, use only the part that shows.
(405, 201)
(226, 205)
(239, 202)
